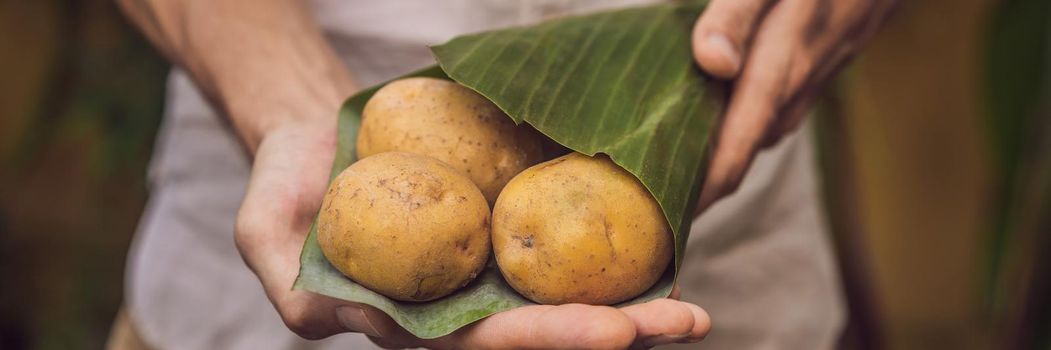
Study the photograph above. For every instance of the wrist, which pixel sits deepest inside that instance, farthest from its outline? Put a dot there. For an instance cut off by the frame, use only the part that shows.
(257, 113)
(264, 70)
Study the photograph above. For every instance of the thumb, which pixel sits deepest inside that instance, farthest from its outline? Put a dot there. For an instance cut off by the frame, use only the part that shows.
(721, 35)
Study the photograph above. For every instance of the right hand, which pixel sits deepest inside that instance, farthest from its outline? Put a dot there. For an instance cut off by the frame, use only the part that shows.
(288, 181)
(779, 53)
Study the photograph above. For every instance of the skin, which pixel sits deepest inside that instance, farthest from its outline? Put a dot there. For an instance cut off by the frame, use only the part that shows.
(447, 121)
(407, 226)
(779, 55)
(579, 229)
(283, 101)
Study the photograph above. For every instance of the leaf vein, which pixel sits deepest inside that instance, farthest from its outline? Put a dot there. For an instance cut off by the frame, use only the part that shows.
(623, 73)
(469, 52)
(572, 69)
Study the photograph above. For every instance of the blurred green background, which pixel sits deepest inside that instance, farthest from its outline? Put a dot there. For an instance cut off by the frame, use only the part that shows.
(936, 148)
(80, 103)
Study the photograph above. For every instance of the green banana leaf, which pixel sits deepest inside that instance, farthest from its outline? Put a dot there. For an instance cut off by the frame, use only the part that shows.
(622, 83)
(1018, 94)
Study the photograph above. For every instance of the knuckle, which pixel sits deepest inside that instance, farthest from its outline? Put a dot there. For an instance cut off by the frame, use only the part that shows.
(245, 232)
(733, 169)
(676, 313)
(733, 184)
(702, 322)
(300, 321)
(799, 73)
(713, 22)
(617, 332)
(243, 243)
(730, 14)
(729, 177)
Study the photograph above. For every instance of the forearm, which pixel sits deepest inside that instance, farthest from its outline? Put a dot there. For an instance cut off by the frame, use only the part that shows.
(264, 63)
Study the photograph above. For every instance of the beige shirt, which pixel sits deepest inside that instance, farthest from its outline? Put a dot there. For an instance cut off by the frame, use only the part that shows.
(759, 261)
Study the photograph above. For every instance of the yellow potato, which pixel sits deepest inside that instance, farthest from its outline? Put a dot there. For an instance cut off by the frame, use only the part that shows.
(406, 226)
(447, 121)
(579, 229)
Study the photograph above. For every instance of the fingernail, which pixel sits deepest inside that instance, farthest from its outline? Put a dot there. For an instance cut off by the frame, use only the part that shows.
(691, 340)
(354, 319)
(663, 339)
(721, 43)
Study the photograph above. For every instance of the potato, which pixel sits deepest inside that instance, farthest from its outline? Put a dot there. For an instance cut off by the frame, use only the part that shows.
(406, 226)
(579, 229)
(447, 121)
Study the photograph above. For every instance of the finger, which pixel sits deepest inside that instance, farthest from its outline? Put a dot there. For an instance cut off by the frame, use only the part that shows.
(757, 98)
(314, 316)
(721, 35)
(792, 115)
(675, 292)
(664, 321)
(570, 326)
(309, 315)
(834, 35)
(799, 106)
(273, 222)
(702, 324)
(388, 334)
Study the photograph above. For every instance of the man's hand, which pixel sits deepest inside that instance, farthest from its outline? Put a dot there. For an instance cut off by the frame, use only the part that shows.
(288, 182)
(779, 52)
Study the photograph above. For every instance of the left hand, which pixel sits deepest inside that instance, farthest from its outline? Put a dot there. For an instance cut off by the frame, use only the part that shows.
(779, 54)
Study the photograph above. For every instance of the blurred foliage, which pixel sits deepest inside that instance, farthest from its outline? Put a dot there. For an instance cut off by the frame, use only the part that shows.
(80, 103)
(1019, 92)
(841, 202)
(918, 154)
(1017, 46)
(105, 83)
(941, 133)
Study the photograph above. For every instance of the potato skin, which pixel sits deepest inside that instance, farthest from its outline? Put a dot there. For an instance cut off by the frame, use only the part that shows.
(579, 229)
(447, 121)
(406, 226)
